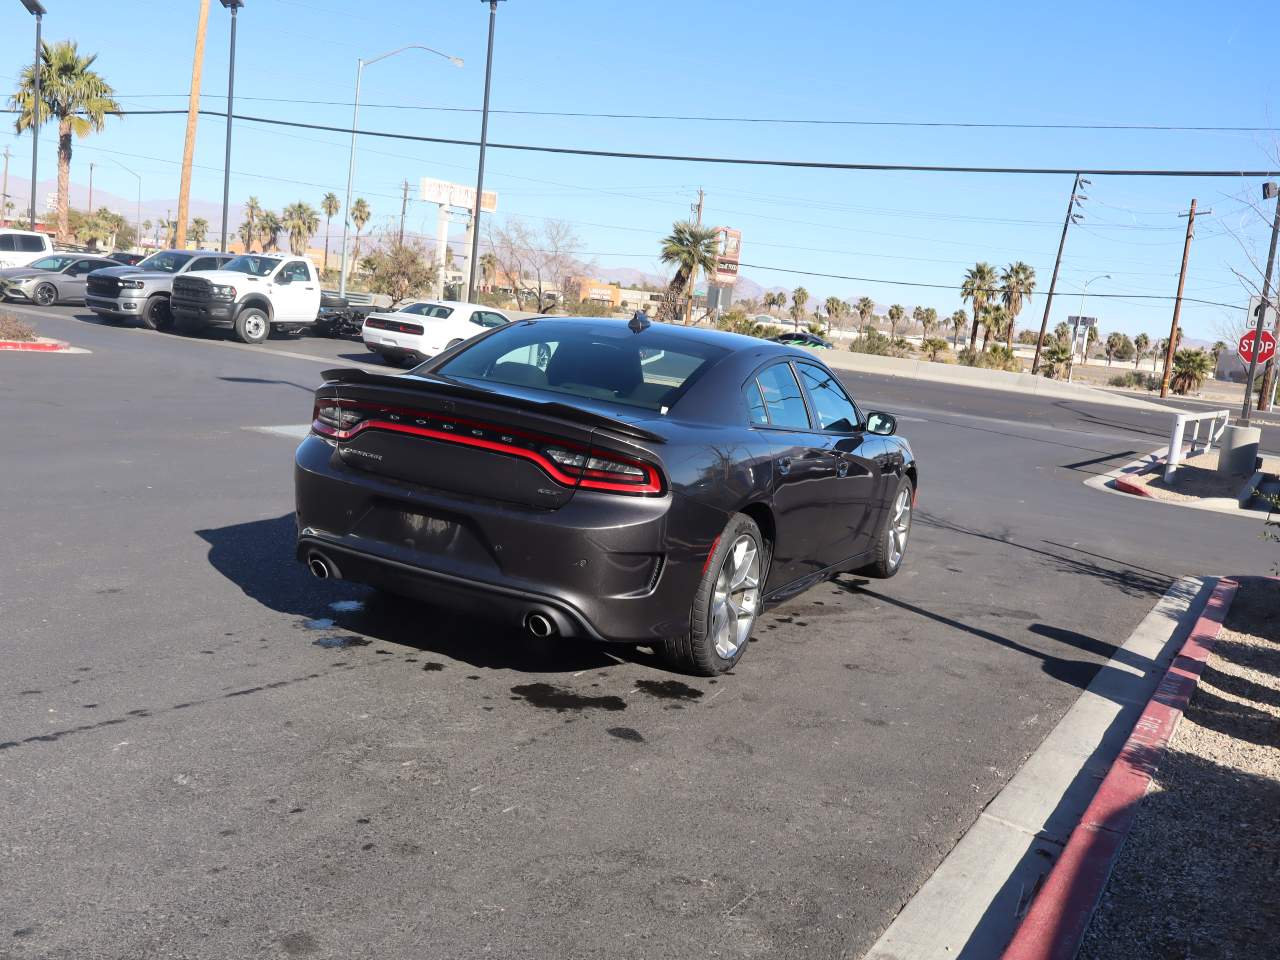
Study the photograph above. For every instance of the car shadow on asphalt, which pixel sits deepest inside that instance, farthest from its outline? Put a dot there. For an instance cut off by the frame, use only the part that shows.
(258, 557)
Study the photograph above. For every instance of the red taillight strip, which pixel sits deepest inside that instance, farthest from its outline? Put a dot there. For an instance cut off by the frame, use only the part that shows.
(650, 485)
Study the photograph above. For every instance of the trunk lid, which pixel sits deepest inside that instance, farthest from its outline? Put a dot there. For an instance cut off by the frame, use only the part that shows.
(441, 435)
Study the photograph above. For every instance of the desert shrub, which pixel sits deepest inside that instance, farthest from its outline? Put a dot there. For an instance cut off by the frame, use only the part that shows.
(934, 348)
(874, 342)
(11, 328)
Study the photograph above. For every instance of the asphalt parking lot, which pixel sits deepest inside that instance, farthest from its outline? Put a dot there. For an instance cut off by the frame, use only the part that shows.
(206, 753)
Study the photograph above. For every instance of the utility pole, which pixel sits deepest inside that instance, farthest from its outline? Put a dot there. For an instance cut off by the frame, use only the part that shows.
(696, 210)
(404, 206)
(91, 189)
(1269, 190)
(189, 144)
(4, 193)
(484, 143)
(1071, 217)
(1177, 303)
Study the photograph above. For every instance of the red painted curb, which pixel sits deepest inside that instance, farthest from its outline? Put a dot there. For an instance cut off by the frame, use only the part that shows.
(45, 346)
(1060, 914)
(1127, 484)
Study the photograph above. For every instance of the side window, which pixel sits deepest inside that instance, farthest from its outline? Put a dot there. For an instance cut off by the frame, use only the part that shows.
(295, 271)
(755, 403)
(6, 242)
(832, 406)
(486, 319)
(205, 263)
(782, 397)
(81, 267)
(30, 244)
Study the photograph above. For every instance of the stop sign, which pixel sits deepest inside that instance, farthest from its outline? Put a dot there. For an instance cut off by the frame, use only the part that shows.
(1265, 352)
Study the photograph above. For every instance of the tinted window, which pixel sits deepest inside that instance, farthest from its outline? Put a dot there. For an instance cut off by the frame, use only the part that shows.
(252, 265)
(486, 319)
(782, 397)
(81, 267)
(295, 272)
(206, 263)
(30, 244)
(755, 403)
(583, 359)
(832, 406)
(6, 241)
(51, 263)
(165, 262)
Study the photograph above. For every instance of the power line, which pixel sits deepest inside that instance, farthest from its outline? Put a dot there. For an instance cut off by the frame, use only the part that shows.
(732, 161)
(809, 121)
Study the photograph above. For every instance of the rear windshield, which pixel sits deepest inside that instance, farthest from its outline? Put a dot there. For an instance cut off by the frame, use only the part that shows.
(165, 262)
(254, 266)
(433, 310)
(593, 361)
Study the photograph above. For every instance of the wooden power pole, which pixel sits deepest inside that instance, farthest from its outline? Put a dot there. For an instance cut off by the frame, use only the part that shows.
(693, 274)
(189, 144)
(404, 206)
(1177, 303)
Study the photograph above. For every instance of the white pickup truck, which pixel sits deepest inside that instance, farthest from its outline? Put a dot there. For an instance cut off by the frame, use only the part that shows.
(253, 294)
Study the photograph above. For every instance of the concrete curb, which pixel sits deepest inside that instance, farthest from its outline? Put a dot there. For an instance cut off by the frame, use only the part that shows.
(1060, 914)
(1023, 383)
(1126, 483)
(972, 904)
(41, 345)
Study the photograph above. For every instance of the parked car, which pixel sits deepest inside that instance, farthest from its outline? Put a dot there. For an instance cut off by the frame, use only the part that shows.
(800, 338)
(19, 247)
(57, 278)
(424, 328)
(252, 294)
(127, 258)
(605, 479)
(142, 291)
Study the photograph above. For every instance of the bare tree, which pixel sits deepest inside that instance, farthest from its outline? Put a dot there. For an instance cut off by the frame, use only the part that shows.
(535, 261)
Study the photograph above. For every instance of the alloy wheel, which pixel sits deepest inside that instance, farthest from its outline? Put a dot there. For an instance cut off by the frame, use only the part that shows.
(45, 295)
(736, 597)
(899, 526)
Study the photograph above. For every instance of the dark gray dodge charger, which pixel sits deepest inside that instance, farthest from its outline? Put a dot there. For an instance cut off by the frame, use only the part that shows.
(619, 481)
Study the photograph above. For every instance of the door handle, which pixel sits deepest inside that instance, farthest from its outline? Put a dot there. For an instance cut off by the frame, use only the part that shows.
(842, 468)
(784, 465)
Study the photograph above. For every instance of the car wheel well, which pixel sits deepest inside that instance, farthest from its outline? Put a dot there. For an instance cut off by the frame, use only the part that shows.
(911, 475)
(763, 517)
(262, 303)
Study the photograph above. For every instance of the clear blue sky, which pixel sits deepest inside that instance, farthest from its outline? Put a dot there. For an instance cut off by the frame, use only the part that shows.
(1178, 63)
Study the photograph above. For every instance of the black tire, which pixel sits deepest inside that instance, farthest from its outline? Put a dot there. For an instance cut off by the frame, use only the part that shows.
(698, 651)
(252, 325)
(155, 314)
(889, 553)
(44, 295)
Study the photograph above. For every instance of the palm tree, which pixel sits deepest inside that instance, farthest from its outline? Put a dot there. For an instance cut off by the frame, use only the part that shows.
(249, 232)
(300, 221)
(330, 205)
(71, 93)
(959, 320)
(1113, 345)
(1190, 369)
(928, 321)
(896, 313)
(995, 318)
(1017, 283)
(690, 247)
(866, 308)
(799, 297)
(978, 288)
(269, 227)
(835, 311)
(360, 215)
(488, 269)
(198, 231)
(146, 228)
(1141, 343)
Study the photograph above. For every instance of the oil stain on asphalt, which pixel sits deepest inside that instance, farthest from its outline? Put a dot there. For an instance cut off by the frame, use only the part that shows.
(668, 689)
(559, 699)
(626, 733)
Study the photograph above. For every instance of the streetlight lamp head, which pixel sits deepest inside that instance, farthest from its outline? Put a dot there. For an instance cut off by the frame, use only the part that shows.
(34, 7)
(232, 4)
(1270, 190)
(456, 61)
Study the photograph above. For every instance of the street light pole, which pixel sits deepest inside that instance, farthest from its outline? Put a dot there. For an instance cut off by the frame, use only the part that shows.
(1084, 358)
(484, 142)
(233, 6)
(1269, 190)
(37, 10)
(351, 160)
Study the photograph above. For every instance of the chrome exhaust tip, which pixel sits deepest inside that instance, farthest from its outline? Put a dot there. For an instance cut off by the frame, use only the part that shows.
(539, 626)
(319, 567)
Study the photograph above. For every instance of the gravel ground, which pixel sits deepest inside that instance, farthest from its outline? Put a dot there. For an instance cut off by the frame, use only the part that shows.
(1197, 876)
(1197, 478)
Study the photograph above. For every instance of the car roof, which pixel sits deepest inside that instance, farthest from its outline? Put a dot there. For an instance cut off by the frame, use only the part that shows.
(451, 303)
(731, 341)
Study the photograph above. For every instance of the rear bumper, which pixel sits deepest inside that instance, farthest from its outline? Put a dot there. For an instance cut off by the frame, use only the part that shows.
(603, 566)
(118, 307)
(397, 345)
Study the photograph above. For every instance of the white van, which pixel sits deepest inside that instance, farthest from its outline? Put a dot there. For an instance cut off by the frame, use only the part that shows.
(19, 247)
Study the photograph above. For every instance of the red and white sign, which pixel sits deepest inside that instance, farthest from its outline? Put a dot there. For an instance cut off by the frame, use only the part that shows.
(728, 252)
(1267, 351)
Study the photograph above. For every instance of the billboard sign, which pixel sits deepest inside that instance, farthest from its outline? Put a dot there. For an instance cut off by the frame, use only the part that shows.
(456, 195)
(728, 255)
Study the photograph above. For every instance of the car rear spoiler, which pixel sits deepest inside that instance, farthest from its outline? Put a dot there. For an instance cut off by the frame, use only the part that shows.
(431, 383)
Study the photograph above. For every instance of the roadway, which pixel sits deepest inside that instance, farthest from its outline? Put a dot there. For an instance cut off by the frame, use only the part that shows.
(204, 752)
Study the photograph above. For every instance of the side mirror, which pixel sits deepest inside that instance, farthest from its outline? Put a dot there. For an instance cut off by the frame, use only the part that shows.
(882, 424)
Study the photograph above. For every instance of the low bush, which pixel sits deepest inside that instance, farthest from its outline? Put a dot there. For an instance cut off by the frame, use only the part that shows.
(874, 342)
(1135, 380)
(994, 358)
(934, 348)
(11, 328)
